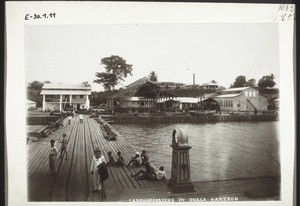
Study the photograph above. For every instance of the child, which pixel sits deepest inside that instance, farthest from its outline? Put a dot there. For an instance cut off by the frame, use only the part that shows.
(64, 144)
(144, 157)
(136, 161)
(111, 160)
(103, 172)
(120, 160)
(97, 160)
(52, 155)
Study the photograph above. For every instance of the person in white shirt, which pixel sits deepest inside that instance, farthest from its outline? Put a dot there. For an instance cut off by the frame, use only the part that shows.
(81, 118)
(136, 160)
(97, 159)
(159, 173)
(52, 159)
(69, 119)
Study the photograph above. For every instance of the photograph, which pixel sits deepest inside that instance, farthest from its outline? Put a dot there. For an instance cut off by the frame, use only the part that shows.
(155, 111)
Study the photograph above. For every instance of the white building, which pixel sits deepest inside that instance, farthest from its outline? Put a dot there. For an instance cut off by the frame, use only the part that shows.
(242, 99)
(209, 86)
(59, 96)
(30, 105)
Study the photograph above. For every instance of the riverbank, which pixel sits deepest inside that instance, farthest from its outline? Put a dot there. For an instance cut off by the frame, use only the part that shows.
(121, 119)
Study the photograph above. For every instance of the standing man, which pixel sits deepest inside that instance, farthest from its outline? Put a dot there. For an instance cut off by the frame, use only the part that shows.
(96, 161)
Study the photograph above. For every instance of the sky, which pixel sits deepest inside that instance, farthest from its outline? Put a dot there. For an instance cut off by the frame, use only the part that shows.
(220, 52)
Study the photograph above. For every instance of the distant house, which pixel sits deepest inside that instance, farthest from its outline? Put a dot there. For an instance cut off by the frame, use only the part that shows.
(185, 103)
(30, 105)
(60, 96)
(209, 86)
(170, 85)
(242, 99)
(136, 104)
(135, 97)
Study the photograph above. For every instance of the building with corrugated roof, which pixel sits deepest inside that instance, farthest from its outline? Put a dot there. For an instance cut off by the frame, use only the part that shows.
(60, 96)
(242, 99)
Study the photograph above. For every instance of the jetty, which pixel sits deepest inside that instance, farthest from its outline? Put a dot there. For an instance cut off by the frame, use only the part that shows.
(73, 181)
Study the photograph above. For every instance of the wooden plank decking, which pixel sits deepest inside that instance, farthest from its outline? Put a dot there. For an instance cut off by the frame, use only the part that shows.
(74, 181)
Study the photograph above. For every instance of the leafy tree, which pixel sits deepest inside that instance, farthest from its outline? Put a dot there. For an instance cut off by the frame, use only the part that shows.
(116, 69)
(33, 92)
(267, 81)
(214, 81)
(240, 81)
(251, 83)
(47, 82)
(36, 85)
(98, 98)
(153, 76)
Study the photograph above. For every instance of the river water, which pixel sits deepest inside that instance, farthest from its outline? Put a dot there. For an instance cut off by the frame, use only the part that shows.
(219, 150)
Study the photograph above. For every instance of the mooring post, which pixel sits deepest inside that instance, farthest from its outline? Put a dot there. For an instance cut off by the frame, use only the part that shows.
(180, 180)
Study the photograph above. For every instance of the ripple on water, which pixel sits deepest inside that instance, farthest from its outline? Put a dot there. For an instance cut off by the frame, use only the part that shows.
(219, 150)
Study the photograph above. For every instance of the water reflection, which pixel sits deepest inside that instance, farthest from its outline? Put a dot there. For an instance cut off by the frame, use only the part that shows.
(219, 151)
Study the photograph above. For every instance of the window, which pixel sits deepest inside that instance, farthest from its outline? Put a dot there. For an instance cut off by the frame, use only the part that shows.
(246, 93)
(74, 96)
(238, 103)
(81, 96)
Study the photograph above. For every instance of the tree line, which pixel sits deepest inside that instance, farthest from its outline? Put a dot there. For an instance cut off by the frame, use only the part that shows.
(116, 69)
(264, 82)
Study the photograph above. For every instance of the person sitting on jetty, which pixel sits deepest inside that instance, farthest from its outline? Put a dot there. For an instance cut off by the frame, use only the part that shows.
(136, 160)
(64, 144)
(111, 160)
(159, 173)
(143, 174)
(120, 160)
(144, 157)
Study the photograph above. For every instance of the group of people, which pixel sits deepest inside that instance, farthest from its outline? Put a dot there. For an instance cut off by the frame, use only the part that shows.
(53, 153)
(99, 164)
(80, 119)
(151, 172)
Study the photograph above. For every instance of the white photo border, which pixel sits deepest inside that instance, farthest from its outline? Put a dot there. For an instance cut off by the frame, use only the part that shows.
(76, 13)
